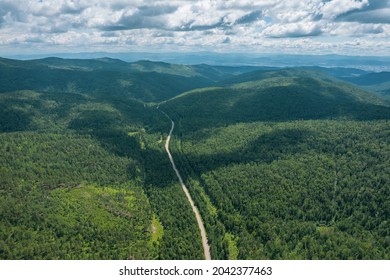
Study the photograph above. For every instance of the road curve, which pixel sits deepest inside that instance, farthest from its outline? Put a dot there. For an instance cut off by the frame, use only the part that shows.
(206, 247)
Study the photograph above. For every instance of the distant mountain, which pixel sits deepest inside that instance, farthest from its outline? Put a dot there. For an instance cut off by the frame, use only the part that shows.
(368, 63)
(278, 73)
(339, 72)
(370, 79)
(376, 82)
(281, 95)
(144, 80)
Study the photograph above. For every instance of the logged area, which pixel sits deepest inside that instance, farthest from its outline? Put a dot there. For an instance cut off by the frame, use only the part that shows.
(279, 164)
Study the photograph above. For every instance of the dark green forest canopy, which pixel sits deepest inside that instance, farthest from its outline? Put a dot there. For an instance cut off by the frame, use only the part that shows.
(293, 164)
(87, 150)
(282, 164)
(144, 80)
(298, 190)
(276, 96)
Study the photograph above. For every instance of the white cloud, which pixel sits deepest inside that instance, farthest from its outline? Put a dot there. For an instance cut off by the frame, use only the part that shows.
(355, 30)
(301, 29)
(334, 8)
(370, 16)
(225, 24)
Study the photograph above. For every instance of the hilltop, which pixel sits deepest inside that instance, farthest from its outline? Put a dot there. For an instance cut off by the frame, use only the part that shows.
(277, 95)
(145, 81)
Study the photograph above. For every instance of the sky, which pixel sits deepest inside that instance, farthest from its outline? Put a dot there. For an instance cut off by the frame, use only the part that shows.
(349, 27)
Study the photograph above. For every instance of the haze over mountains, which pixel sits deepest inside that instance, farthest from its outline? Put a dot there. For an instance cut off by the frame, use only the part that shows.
(370, 63)
(283, 163)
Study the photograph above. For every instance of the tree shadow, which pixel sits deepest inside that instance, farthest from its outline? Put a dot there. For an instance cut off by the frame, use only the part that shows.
(12, 119)
(278, 144)
(303, 99)
(107, 127)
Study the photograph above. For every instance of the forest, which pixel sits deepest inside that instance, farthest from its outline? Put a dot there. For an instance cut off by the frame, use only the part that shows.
(281, 163)
(84, 174)
(287, 164)
(298, 190)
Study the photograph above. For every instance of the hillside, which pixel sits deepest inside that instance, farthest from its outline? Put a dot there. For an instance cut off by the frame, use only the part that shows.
(375, 82)
(144, 80)
(68, 182)
(282, 163)
(305, 189)
(370, 79)
(82, 172)
(287, 164)
(280, 95)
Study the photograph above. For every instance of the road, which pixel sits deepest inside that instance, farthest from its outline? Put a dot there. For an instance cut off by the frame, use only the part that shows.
(205, 244)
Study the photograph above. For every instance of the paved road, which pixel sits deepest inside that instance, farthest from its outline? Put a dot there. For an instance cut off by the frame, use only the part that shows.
(205, 244)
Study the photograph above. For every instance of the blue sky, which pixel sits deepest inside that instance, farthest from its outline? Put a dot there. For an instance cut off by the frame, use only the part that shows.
(354, 27)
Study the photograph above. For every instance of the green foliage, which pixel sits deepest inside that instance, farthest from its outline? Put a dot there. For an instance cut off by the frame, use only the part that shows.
(181, 239)
(274, 99)
(68, 136)
(53, 160)
(287, 164)
(370, 79)
(157, 230)
(298, 190)
(146, 81)
(50, 210)
(83, 222)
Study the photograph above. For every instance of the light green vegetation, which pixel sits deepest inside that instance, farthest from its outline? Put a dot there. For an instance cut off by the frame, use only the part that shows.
(157, 229)
(232, 246)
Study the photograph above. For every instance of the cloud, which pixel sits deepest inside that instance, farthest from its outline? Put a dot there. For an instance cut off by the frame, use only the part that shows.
(34, 40)
(377, 11)
(9, 12)
(357, 30)
(369, 16)
(226, 40)
(72, 7)
(194, 24)
(293, 30)
(158, 10)
(335, 8)
(141, 17)
(249, 18)
(377, 4)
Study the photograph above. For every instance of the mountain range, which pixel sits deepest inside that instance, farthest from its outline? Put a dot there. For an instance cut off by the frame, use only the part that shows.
(282, 162)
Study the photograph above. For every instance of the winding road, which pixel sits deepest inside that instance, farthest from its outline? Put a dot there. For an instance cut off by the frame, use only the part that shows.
(205, 244)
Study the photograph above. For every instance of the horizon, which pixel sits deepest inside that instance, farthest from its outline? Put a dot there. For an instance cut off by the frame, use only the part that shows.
(11, 55)
(367, 63)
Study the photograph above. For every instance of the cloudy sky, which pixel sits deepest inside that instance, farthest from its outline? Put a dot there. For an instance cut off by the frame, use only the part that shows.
(359, 27)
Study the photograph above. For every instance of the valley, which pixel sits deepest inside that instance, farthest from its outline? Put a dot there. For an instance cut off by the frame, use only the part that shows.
(281, 163)
(205, 245)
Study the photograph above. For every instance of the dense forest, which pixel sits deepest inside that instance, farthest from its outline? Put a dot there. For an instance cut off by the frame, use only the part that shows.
(281, 163)
(84, 174)
(296, 190)
(287, 164)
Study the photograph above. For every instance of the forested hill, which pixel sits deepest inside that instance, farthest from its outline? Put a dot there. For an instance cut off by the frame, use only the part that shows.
(83, 171)
(277, 95)
(144, 80)
(287, 164)
(377, 82)
(282, 163)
